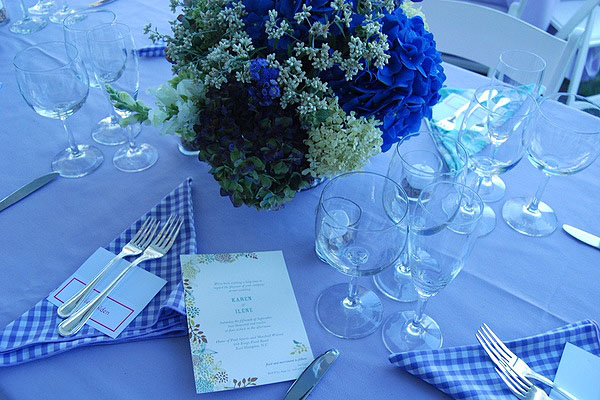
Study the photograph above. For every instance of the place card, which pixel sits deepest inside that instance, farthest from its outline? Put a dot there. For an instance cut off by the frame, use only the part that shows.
(125, 302)
(245, 327)
(578, 373)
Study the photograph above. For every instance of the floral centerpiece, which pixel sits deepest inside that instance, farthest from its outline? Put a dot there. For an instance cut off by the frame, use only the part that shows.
(278, 93)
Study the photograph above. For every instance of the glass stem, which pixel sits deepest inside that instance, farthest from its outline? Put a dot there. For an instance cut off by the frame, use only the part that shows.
(415, 324)
(111, 110)
(23, 10)
(72, 145)
(131, 137)
(533, 205)
(352, 299)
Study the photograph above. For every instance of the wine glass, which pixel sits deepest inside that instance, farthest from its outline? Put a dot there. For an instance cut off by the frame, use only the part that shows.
(441, 237)
(53, 82)
(419, 159)
(518, 68)
(366, 247)
(565, 140)
(43, 7)
(495, 130)
(27, 24)
(107, 131)
(115, 64)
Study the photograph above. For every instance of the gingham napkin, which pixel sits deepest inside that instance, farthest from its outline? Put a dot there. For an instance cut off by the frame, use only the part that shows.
(467, 372)
(34, 335)
(155, 50)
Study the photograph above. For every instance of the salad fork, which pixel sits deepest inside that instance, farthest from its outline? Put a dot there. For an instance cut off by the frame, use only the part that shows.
(140, 241)
(521, 387)
(501, 355)
(160, 246)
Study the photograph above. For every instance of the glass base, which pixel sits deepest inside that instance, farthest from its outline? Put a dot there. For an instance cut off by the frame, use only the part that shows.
(108, 132)
(487, 223)
(396, 285)
(492, 189)
(187, 152)
(398, 337)
(349, 321)
(43, 7)
(539, 223)
(135, 159)
(59, 16)
(28, 25)
(86, 161)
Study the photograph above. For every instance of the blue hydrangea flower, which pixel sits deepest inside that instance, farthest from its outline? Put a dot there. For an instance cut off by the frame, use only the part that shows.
(264, 82)
(402, 92)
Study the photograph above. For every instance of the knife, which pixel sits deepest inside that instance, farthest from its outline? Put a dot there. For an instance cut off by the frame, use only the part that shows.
(27, 189)
(585, 237)
(309, 378)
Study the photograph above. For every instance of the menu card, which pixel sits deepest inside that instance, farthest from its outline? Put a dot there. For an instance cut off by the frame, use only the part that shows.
(244, 324)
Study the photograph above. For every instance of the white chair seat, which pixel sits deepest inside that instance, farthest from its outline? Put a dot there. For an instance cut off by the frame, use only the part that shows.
(566, 9)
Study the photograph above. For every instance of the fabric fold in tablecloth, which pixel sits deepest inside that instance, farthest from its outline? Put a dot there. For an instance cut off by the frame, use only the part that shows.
(467, 373)
(33, 335)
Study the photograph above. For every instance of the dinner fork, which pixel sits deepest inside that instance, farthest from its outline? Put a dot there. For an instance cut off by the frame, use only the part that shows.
(160, 246)
(140, 241)
(521, 387)
(493, 345)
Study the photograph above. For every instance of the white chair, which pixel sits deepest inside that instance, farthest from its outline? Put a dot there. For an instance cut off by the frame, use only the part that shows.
(582, 16)
(480, 34)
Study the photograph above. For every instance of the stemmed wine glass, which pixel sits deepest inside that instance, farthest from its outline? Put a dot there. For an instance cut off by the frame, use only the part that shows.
(107, 131)
(565, 140)
(53, 82)
(27, 24)
(419, 159)
(114, 61)
(441, 237)
(495, 129)
(358, 245)
(518, 68)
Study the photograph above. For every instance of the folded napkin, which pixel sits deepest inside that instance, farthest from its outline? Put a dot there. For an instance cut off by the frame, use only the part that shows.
(467, 372)
(34, 334)
(155, 50)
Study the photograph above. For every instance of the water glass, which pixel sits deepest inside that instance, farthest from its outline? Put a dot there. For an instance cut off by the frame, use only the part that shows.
(419, 159)
(107, 131)
(360, 231)
(115, 63)
(565, 139)
(518, 68)
(441, 237)
(495, 132)
(27, 24)
(54, 83)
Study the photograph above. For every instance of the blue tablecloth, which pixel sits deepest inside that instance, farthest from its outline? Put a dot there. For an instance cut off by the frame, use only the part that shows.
(519, 285)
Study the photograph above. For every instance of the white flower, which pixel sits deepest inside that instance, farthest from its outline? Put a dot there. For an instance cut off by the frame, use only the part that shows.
(156, 116)
(165, 94)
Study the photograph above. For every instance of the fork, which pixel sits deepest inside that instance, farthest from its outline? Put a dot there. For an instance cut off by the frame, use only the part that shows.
(140, 241)
(521, 387)
(493, 345)
(160, 246)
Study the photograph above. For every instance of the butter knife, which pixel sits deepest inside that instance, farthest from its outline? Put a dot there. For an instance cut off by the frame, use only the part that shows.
(309, 378)
(27, 190)
(583, 236)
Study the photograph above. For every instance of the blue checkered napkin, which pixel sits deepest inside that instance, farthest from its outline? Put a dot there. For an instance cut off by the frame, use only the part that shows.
(155, 50)
(467, 372)
(34, 335)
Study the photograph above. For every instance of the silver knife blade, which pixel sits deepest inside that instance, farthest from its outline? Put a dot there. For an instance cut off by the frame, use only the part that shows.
(309, 378)
(27, 190)
(583, 236)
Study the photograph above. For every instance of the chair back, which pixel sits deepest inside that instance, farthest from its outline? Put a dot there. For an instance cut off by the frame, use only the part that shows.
(481, 34)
